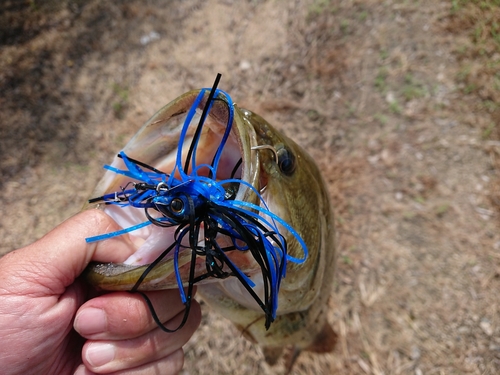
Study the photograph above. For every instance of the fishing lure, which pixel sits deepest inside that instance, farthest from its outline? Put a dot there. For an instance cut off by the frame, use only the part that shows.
(206, 214)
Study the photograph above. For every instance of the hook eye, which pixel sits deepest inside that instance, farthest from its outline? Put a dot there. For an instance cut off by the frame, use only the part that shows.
(177, 206)
(161, 186)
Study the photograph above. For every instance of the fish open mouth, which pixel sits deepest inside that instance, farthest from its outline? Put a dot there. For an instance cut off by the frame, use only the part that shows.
(186, 190)
(171, 172)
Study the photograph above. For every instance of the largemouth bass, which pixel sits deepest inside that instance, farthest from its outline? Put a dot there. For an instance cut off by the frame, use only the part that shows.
(271, 188)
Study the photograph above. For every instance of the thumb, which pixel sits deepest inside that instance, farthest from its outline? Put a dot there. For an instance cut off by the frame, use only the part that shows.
(58, 258)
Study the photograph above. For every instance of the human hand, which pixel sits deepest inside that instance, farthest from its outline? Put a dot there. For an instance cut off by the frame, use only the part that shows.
(46, 313)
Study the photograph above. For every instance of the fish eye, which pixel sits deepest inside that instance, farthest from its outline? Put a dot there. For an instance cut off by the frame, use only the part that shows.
(177, 206)
(286, 161)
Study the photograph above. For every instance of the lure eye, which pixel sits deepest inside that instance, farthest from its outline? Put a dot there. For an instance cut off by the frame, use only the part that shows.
(286, 161)
(177, 206)
(230, 191)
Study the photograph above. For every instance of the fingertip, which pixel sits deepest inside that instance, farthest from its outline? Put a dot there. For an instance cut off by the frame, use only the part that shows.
(82, 370)
(176, 361)
(94, 218)
(90, 321)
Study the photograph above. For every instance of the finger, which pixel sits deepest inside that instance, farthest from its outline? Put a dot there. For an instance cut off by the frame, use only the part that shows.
(169, 365)
(54, 261)
(106, 356)
(122, 315)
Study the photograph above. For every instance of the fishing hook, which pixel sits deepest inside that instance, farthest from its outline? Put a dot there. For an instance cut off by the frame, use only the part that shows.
(267, 147)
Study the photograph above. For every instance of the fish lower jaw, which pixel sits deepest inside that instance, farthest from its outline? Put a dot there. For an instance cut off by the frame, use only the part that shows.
(231, 294)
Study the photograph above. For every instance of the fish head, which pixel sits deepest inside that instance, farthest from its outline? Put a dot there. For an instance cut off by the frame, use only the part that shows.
(212, 194)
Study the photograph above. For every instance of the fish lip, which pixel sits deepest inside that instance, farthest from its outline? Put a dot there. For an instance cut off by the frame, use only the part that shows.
(157, 134)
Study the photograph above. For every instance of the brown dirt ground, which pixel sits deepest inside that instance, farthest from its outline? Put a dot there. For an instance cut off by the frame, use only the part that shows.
(397, 100)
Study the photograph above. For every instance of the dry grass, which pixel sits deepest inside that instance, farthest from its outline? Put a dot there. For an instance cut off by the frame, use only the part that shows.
(479, 75)
(479, 57)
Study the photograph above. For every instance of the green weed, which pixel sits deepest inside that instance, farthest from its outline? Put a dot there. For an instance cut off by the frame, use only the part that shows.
(121, 102)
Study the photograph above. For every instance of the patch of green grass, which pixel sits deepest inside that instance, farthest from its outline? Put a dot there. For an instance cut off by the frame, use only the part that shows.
(320, 7)
(455, 6)
(121, 91)
(383, 53)
(470, 88)
(484, 14)
(419, 199)
(462, 50)
(312, 114)
(413, 89)
(381, 79)
(486, 134)
(463, 73)
(77, 167)
(344, 26)
(496, 82)
(346, 260)
(33, 5)
(121, 102)
(391, 175)
(351, 110)
(365, 355)
(439, 106)
(490, 105)
(442, 209)
(395, 108)
(409, 215)
(486, 29)
(381, 118)
(464, 76)
(472, 262)
(458, 5)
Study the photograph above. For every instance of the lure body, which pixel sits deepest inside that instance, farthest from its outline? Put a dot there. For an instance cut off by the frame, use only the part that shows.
(291, 186)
